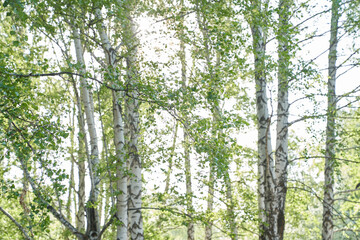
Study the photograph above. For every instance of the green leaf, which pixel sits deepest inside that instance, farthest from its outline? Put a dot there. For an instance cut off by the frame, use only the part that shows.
(16, 43)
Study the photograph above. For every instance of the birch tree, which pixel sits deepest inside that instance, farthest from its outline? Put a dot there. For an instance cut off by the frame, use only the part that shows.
(272, 173)
(33, 121)
(118, 127)
(220, 153)
(266, 174)
(328, 202)
(186, 137)
(93, 223)
(281, 151)
(131, 42)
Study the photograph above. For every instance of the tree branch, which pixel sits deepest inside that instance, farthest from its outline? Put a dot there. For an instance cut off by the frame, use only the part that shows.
(62, 73)
(37, 192)
(21, 228)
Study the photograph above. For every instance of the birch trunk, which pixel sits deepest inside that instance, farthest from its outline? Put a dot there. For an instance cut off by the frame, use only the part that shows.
(266, 189)
(119, 141)
(93, 224)
(71, 187)
(131, 43)
(83, 154)
(81, 189)
(171, 159)
(217, 118)
(121, 179)
(189, 193)
(281, 151)
(210, 203)
(187, 163)
(72, 158)
(230, 207)
(328, 202)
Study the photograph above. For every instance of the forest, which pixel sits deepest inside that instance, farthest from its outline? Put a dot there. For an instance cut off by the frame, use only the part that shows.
(179, 119)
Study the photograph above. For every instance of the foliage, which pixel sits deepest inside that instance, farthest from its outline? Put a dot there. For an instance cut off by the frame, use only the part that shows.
(211, 101)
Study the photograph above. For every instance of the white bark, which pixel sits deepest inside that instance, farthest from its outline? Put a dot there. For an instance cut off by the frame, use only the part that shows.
(80, 217)
(266, 189)
(131, 43)
(328, 202)
(281, 151)
(83, 154)
(121, 179)
(119, 141)
(93, 226)
(211, 185)
(70, 188)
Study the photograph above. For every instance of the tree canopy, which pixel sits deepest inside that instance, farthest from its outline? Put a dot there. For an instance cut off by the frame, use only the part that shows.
(187, 119)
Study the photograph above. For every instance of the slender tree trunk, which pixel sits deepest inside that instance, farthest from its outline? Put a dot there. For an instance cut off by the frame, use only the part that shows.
(119, 141)
(76, 208)
(93, 224)
(72, 159)
(281, 152)
(83, 154)
(121, 177)
(189, 193)
(230, 207)
(188, 181)
(187, 163)
(266, 189)
(211, 183)
(171, 159)
(210, 203)
(132, 105)
(81, 189)
(24, 203)
(328, 203)
(217, 117)
(71, 186)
